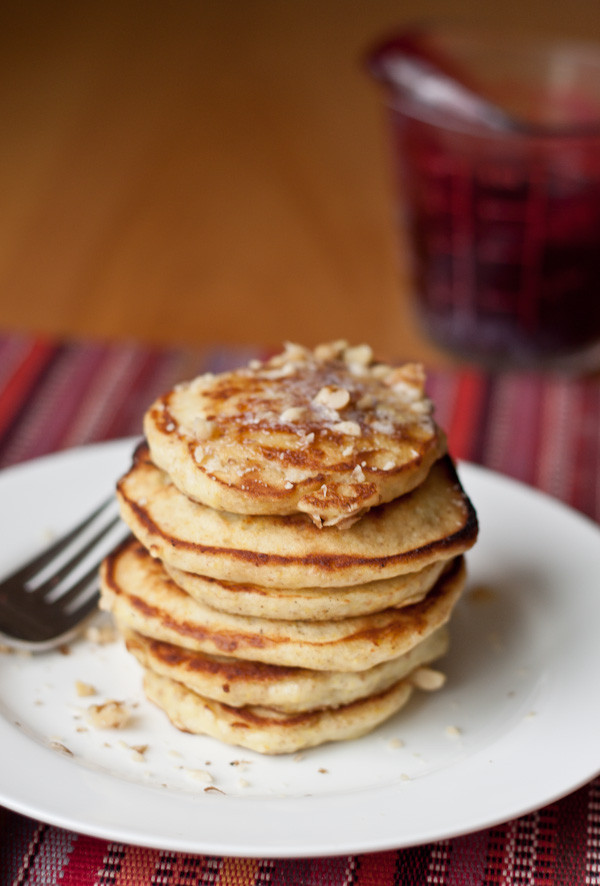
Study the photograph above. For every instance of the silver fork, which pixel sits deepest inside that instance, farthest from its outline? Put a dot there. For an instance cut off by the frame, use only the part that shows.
(45, 601)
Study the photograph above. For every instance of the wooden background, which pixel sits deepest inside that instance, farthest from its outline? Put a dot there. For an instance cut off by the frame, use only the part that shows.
(211, 170)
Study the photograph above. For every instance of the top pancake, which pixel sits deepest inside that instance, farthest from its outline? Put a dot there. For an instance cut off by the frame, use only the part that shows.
(328, 432)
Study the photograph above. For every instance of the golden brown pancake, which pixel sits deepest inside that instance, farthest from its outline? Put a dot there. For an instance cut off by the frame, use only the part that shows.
(135, 587)
(239, 682)
(328, 432)
(434, 522)
(309, 604)
(268, 731)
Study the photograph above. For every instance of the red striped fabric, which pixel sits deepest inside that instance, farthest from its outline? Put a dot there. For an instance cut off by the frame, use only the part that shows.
(22, 362)
(544, 431)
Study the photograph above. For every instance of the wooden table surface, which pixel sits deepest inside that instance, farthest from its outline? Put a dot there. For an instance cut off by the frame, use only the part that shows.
(211, 170)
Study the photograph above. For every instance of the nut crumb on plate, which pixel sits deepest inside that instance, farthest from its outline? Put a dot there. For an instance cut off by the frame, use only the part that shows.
(453, 731)
(63, 749)
(101, 634)
(200, 775)
(84, 689)
(427, 679)
(109, 715)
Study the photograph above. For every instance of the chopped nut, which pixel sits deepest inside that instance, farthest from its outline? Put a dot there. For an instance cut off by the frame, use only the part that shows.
(63, 749)
(332, 397)
(420, 407)
(281, 371)
(138, 751)
(360, 355)
(351, 428)
(292, 413)
(201, 775)
(110, 715)
(358, 474)
(330, 350)
(453, 731)
(427, 679)
(204, 429)
(380, 370)
(101, 634)
(411, 377)
(84, 689)
(295, 352)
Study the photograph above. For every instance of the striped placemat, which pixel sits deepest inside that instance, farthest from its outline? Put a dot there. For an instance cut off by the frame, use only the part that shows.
(544, 431)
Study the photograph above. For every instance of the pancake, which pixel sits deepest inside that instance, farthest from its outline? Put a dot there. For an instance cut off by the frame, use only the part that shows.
(434, 522)
(308, 604)
(328, 432)
(266, 731)
(238, 682)
(142, 597)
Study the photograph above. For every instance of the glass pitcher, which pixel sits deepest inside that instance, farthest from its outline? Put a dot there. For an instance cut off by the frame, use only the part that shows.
(496, 144)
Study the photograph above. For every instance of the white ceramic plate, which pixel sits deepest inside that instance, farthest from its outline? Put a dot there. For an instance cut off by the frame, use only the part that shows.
(517, 725)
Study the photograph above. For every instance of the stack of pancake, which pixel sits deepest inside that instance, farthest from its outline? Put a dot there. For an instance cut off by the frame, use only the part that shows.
(298, 540)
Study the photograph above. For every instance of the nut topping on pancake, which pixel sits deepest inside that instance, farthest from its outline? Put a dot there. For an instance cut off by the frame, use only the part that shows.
(329, 432)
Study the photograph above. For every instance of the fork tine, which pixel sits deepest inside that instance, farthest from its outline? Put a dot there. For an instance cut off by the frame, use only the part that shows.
(78, 557)
(34, 566)
(77, 616)
(75, 590)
